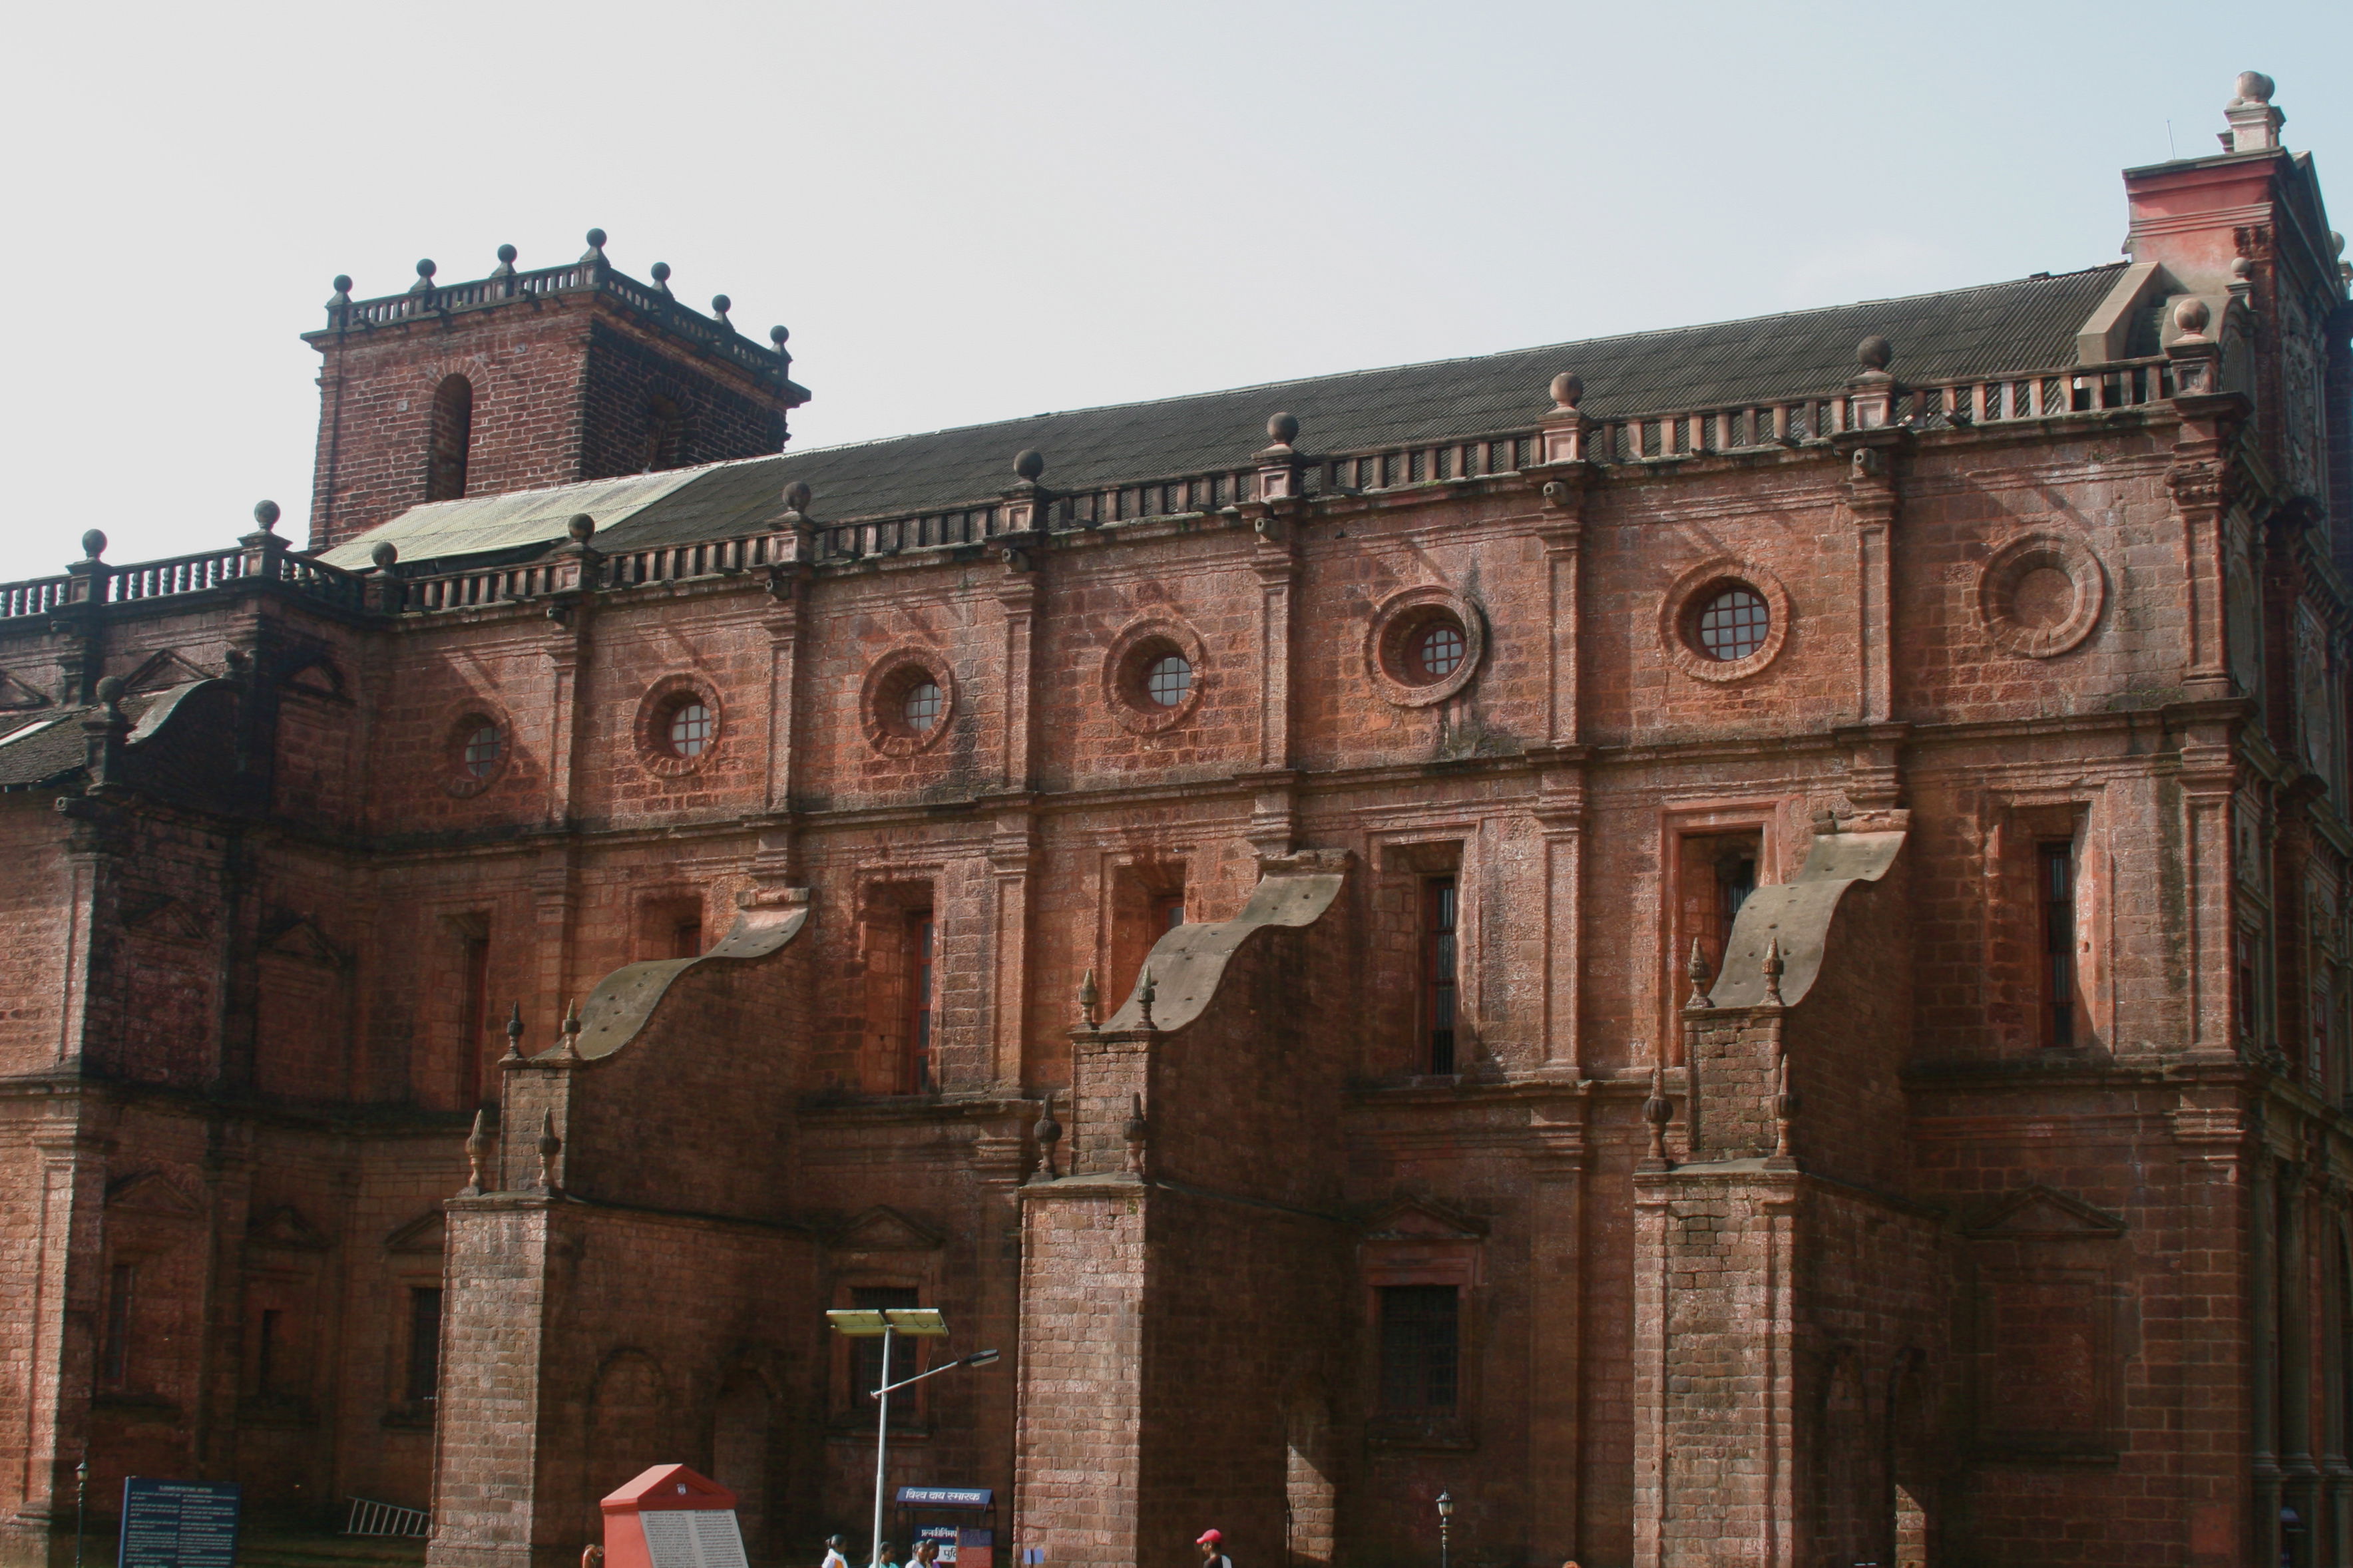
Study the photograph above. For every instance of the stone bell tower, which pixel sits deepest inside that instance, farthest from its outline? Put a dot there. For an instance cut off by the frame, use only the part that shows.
(530, 378)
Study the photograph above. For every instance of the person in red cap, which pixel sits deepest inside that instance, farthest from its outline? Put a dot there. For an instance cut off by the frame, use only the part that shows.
(1212, 1544)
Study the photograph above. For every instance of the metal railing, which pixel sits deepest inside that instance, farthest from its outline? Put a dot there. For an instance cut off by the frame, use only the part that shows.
(388, 1519)
(1664, 435)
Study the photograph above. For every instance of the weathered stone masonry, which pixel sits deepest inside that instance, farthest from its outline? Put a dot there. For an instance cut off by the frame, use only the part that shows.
(1730, 944)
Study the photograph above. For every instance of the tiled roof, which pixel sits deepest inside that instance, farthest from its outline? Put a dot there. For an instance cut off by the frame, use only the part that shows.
(2027, 324)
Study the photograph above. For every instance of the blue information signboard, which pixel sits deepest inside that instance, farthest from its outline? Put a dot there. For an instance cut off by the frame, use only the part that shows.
(178, 1524)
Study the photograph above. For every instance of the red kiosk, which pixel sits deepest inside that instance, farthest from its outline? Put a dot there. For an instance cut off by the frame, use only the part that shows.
(671, 1517)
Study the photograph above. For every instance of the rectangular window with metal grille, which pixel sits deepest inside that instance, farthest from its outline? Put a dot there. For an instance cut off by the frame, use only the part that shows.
(2058, 886)
(1420, 1348)
(424, 1344)
(1438, 912)
(866, 1355)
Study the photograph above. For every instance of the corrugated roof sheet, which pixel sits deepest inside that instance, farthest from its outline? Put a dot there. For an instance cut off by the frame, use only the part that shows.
(2026, 324)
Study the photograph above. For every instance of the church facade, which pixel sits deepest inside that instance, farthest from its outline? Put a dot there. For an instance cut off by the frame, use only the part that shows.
(1727, 945)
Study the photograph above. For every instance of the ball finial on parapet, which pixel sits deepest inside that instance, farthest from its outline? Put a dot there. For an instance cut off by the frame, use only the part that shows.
(384, 555)
(2192, 317)
(266, 513)
(507, 254)
(1283, 429)
(1028, 464)
(778, 336)
(1567, 387)
(720, 305)
(2254, 87)
(425, 271)
(1874, 353)
(93, 544)
(661, 277)
(796, 496)
(581, 526)
(595, 253)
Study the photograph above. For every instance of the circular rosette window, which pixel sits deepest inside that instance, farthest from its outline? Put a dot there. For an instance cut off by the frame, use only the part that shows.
(909, 700)
(1723, 620)
(474, 751)
(679, 726)
(1424, 645)
(2040, 594)
(1154, 675)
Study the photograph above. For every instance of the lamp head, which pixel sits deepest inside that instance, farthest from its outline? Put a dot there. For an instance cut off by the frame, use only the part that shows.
(1446, 1505)
(980, 1357)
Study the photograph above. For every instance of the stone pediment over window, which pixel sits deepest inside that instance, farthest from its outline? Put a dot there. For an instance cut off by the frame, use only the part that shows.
(1421, 1220)
(423, 1234)
(162, 915)
(295, 936)
(2037, 1212)
(151, 1191)
(15, 697)
(162, 671)
(285, 1226)
(884, 1229)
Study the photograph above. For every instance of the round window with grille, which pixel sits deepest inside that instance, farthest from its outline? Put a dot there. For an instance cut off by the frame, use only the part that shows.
(692, 728)
(1733, 622)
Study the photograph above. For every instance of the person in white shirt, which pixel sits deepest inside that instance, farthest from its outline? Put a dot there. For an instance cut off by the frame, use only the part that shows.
(833, 1557)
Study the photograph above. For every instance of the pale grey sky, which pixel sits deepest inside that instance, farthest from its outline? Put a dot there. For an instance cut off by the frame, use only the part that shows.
(967, 212)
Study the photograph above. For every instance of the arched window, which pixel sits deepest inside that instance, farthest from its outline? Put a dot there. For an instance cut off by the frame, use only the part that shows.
(453, 435)
(665, 435)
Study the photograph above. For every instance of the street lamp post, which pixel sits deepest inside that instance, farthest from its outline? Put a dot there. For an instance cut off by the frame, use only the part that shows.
(887, 1323)
(1445, 1518)
(81, 1501)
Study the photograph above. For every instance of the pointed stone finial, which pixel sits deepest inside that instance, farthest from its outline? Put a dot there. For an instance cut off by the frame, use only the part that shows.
(1773, 967)
(505, 268)
(1144, 992)
(1088, 998)
(1134, 1133)
(93, 544)
(1048, 1133)
(1028, 464)
(266, 513)
(481, 1144)
(1657, 1110)
(550, 1146)
(595, 254)
(572, 1031)
(1698, 970)
(720, 305)
(424, 284)
(514, 1034)
(661, 279)
(1567, 387)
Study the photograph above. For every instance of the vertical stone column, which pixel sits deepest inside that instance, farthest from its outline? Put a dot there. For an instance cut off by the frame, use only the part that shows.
(1012, 856)
(57, 1300)
(1565, 475)
(1871, 443)
(1078, 1484)
(2214, 1146)
(486, 1439)
(1561, 816)
(789, 586)
(2208, 782)
(2200, 480)
(1555, 1379)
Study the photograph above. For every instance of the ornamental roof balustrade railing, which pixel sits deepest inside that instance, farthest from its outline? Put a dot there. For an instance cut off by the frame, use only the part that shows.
(573, 277)
(1649, 437)
(179, 574)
